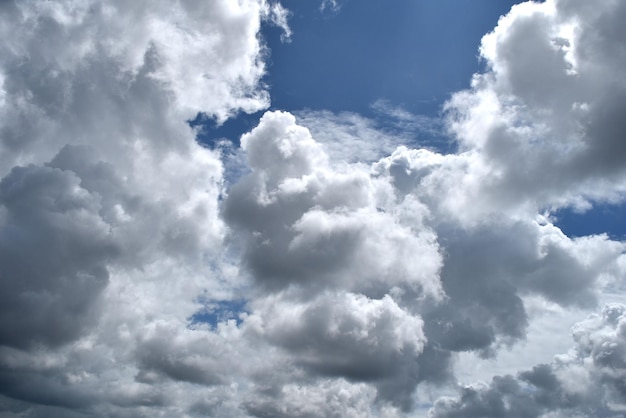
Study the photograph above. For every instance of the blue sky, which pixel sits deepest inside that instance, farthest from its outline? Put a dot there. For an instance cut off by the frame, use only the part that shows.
(603, 218)
(312, 208)
(412, 54)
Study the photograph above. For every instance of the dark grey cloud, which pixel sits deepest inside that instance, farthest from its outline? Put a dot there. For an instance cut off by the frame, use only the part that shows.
(54, 253)
(352, 337)
(50, 390)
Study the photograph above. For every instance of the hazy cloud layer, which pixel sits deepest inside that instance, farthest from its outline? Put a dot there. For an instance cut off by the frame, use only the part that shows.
(343, 272)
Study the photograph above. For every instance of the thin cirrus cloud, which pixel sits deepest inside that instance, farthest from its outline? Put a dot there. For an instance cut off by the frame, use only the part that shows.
(342, 267)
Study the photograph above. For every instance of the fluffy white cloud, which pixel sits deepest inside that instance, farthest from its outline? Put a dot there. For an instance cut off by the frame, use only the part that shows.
(588, 381)
(311, 224)
(352, 271)
(54, 250)
(543, 123)
(342, 263)
(109, 226)
(539, 130)
(349, 336)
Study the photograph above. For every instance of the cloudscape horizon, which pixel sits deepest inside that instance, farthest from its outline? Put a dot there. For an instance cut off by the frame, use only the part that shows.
(312, 208)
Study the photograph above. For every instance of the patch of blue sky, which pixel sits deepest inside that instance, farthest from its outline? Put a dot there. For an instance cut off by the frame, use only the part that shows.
(215, 312)
(225, 139)
(602, 218)
(410, 55)
(212, 134)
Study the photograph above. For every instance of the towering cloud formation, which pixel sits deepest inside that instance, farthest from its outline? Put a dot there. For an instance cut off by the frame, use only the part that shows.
(588, 380)
(109, 227)
(544, 120)
(133, 282)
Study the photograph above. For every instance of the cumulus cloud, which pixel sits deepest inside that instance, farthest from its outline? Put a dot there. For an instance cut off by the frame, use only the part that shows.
(109, 207)
(56, 248)
(543, 120)
(587, 381)
(355, 264)
(335, 238)
(310, 224)
(348, 336)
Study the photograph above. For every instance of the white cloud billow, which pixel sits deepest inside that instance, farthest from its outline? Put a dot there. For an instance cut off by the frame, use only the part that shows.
(363, 272)
(587, 380)
(314, 225)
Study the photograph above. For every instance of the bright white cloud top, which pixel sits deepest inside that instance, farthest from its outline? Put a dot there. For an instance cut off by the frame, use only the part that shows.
(343, 271)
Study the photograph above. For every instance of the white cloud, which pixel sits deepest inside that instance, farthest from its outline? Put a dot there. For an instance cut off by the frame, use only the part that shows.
(411, 124)
(544, 118)
(361, 267)
(346, 335)
(537, 131)
(587, 380)
(311, 224)
(332, 5)
(110, 229)
(350, 137)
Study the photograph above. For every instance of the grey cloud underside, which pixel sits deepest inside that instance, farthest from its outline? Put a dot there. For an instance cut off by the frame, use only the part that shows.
(363, 272)
(47, 296)
(589, 380)
(485, 277)
(93, 234)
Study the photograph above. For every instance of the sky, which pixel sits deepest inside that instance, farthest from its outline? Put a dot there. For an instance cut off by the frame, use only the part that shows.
(312, 208)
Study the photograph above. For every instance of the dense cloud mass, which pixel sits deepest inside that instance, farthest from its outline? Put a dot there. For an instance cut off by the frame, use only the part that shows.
(340, 273)
(587, 381)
